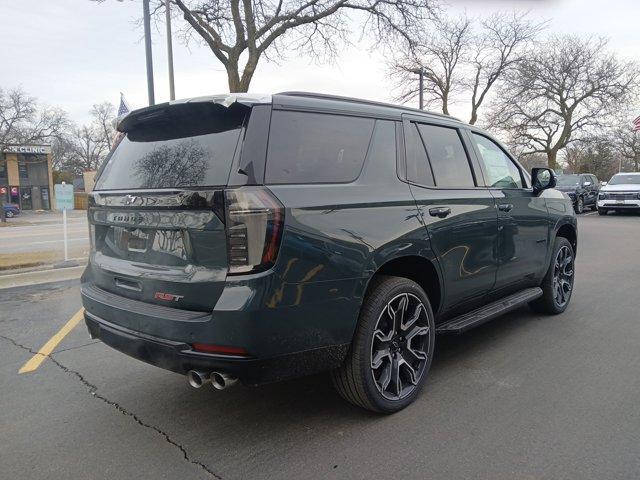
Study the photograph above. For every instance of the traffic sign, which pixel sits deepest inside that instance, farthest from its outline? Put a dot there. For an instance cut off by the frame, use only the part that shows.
(64, 196)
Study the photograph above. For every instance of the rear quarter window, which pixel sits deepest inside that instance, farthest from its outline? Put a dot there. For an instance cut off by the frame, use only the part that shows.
(316, 147)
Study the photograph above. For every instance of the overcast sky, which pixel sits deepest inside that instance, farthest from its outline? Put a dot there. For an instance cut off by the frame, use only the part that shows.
(74, 53)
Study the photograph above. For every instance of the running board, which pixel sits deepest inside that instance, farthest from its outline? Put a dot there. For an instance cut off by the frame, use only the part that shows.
(488, 312)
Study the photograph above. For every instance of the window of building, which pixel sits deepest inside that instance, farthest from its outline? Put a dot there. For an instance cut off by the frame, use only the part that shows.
(447, 156)
(22, 169)
(499, 169)
(316, 147)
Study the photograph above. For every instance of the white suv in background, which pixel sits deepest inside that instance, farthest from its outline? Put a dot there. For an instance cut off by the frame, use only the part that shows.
(621, 193)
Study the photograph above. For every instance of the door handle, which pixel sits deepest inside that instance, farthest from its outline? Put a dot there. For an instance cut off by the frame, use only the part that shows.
(505, 207)
(439, 212)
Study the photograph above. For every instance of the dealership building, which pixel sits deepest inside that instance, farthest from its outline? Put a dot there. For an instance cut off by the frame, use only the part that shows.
(26, 177)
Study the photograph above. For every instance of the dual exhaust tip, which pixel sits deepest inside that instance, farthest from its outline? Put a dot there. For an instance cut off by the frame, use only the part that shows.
(219, 380)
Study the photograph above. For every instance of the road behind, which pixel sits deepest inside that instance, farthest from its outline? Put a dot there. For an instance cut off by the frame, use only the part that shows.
(44, 235)
(32, 239)
(524, 396)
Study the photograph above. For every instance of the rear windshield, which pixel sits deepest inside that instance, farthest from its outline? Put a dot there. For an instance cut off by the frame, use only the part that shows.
(621, 179)
(567, 180)
(183, 146)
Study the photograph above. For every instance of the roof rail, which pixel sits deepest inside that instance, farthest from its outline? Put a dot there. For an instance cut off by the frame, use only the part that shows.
(326, 96)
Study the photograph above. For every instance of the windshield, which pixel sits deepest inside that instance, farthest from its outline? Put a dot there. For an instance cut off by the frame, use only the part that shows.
(622, 179)
(568, 181)
(188, 148)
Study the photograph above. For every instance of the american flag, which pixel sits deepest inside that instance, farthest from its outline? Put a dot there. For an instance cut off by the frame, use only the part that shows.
(123, 109)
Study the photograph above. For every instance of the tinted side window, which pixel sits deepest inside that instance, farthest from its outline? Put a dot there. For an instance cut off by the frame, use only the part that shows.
(500, 170)
(316, 147)
(383, 144)
(418, 169)
(447, 156)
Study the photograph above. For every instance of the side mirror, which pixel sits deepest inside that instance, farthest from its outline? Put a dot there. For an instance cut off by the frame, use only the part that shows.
(542, 179)
(602, 184)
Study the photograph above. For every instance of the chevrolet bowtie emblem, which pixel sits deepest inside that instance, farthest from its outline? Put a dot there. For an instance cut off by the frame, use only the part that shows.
(129, 199)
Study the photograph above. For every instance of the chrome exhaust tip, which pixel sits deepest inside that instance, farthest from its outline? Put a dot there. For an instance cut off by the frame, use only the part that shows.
(220, 380)
(197, 378)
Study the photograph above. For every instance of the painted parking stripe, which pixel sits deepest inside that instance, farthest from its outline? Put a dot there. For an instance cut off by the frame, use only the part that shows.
(53, 342)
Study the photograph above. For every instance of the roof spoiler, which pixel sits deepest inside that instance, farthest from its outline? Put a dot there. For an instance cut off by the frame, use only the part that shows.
(167, 111)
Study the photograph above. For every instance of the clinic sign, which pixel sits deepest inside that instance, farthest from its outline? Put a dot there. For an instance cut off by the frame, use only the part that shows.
(33, 149)
(64, 196)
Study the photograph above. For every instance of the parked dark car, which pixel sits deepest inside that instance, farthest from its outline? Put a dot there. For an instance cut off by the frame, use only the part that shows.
(11, 210)
(582, 190)
(263, 238)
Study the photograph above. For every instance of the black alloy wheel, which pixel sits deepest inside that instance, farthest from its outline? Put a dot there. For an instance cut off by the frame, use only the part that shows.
(400, 346)
(563, 276)
(392, 348)
(557, 285)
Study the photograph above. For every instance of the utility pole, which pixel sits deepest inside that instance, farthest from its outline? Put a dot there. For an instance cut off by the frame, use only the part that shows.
(147, 49)
(172, 87)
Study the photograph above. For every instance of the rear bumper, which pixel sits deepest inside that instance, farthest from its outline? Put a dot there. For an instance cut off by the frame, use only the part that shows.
(162, 336)
(180, 358)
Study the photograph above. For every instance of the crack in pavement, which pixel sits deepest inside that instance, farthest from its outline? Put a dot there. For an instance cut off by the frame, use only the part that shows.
(93, 391)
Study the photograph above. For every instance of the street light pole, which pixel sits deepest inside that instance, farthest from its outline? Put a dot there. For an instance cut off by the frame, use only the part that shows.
(421, 93)
(172, 88)
(420, 73)
(147, 49)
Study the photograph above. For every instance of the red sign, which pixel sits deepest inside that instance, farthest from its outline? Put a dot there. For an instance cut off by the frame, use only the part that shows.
(3, 190)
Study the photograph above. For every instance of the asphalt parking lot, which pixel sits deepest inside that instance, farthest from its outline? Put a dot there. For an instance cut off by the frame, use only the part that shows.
(523, 397)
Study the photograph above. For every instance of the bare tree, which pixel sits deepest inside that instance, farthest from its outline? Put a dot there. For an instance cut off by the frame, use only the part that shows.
(23, 121)
(464, 57)
(559, 91)
(438, 54)
(240, 33)
(500, 46)
(61, 150)
(626, 141)
(594, 155)
(85, 147)
(104, 115)
(88, 149)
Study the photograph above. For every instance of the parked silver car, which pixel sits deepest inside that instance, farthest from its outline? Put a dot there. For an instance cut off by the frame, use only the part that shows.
(621, 193)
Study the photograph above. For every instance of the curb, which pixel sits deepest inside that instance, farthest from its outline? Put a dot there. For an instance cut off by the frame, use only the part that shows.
(73, 262)
(40, 276)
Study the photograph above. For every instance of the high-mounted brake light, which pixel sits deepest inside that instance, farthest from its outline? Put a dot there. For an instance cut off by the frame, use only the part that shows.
(255, 221)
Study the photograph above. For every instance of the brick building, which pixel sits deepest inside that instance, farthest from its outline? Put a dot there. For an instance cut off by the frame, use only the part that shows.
(26, 177)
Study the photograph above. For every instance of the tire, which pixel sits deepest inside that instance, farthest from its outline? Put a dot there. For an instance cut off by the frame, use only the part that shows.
(579, 207)
(557, 285)
(602, 211)
(359, 380)
(8, 214)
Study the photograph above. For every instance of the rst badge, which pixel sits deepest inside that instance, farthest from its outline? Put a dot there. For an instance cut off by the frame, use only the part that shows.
(168, 297)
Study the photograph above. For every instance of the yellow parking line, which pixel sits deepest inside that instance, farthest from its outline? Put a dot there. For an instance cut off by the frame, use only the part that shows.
(53, 342)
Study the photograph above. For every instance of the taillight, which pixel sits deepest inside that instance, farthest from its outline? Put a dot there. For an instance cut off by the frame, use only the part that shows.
(92, 237)
(255, 219)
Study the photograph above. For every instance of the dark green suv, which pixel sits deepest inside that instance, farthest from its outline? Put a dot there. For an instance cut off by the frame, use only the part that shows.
(251, 238)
